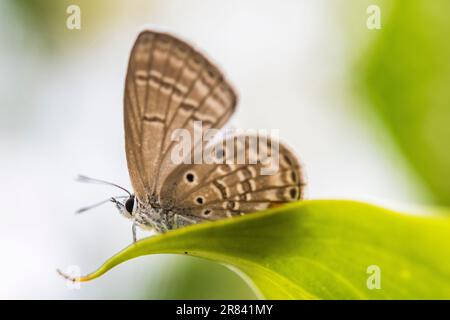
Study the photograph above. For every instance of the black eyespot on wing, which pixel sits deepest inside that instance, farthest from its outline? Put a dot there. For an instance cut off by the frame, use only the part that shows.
(293, 193)
(129, 204)
(190, 177)
(199, 200)
(206, 212)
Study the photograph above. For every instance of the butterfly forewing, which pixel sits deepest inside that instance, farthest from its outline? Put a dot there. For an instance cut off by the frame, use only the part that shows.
(169, 85)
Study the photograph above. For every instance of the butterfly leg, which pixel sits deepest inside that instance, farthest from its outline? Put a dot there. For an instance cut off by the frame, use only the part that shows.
(133, 230)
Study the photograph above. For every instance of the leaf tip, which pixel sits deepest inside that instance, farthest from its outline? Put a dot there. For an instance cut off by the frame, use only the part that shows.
(76, 279)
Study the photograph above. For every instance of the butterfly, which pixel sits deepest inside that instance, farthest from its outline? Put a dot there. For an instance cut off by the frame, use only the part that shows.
(171, 86)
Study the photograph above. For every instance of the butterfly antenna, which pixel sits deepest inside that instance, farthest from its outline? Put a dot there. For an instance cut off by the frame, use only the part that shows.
(85, 179)
(95, 205)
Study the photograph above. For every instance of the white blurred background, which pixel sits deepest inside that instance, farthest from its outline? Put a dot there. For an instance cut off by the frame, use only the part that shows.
(61, 115)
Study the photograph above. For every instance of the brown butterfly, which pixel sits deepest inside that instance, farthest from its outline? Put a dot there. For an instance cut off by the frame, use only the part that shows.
(171, 86)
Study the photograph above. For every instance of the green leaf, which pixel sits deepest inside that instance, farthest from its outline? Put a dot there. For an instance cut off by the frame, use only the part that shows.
(318, 250)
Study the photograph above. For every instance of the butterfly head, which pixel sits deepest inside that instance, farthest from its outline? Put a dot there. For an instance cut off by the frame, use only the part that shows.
(126, 208)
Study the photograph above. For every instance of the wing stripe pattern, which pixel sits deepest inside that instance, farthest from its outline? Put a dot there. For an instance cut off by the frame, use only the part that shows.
(168, 86)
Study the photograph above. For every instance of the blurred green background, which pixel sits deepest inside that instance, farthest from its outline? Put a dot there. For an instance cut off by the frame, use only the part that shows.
(368, 112)
(405, 77)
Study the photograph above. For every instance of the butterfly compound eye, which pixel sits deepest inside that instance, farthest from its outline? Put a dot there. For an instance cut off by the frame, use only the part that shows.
(129, 205)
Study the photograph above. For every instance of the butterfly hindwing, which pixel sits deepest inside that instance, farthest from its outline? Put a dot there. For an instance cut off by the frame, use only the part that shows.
(217, 191)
